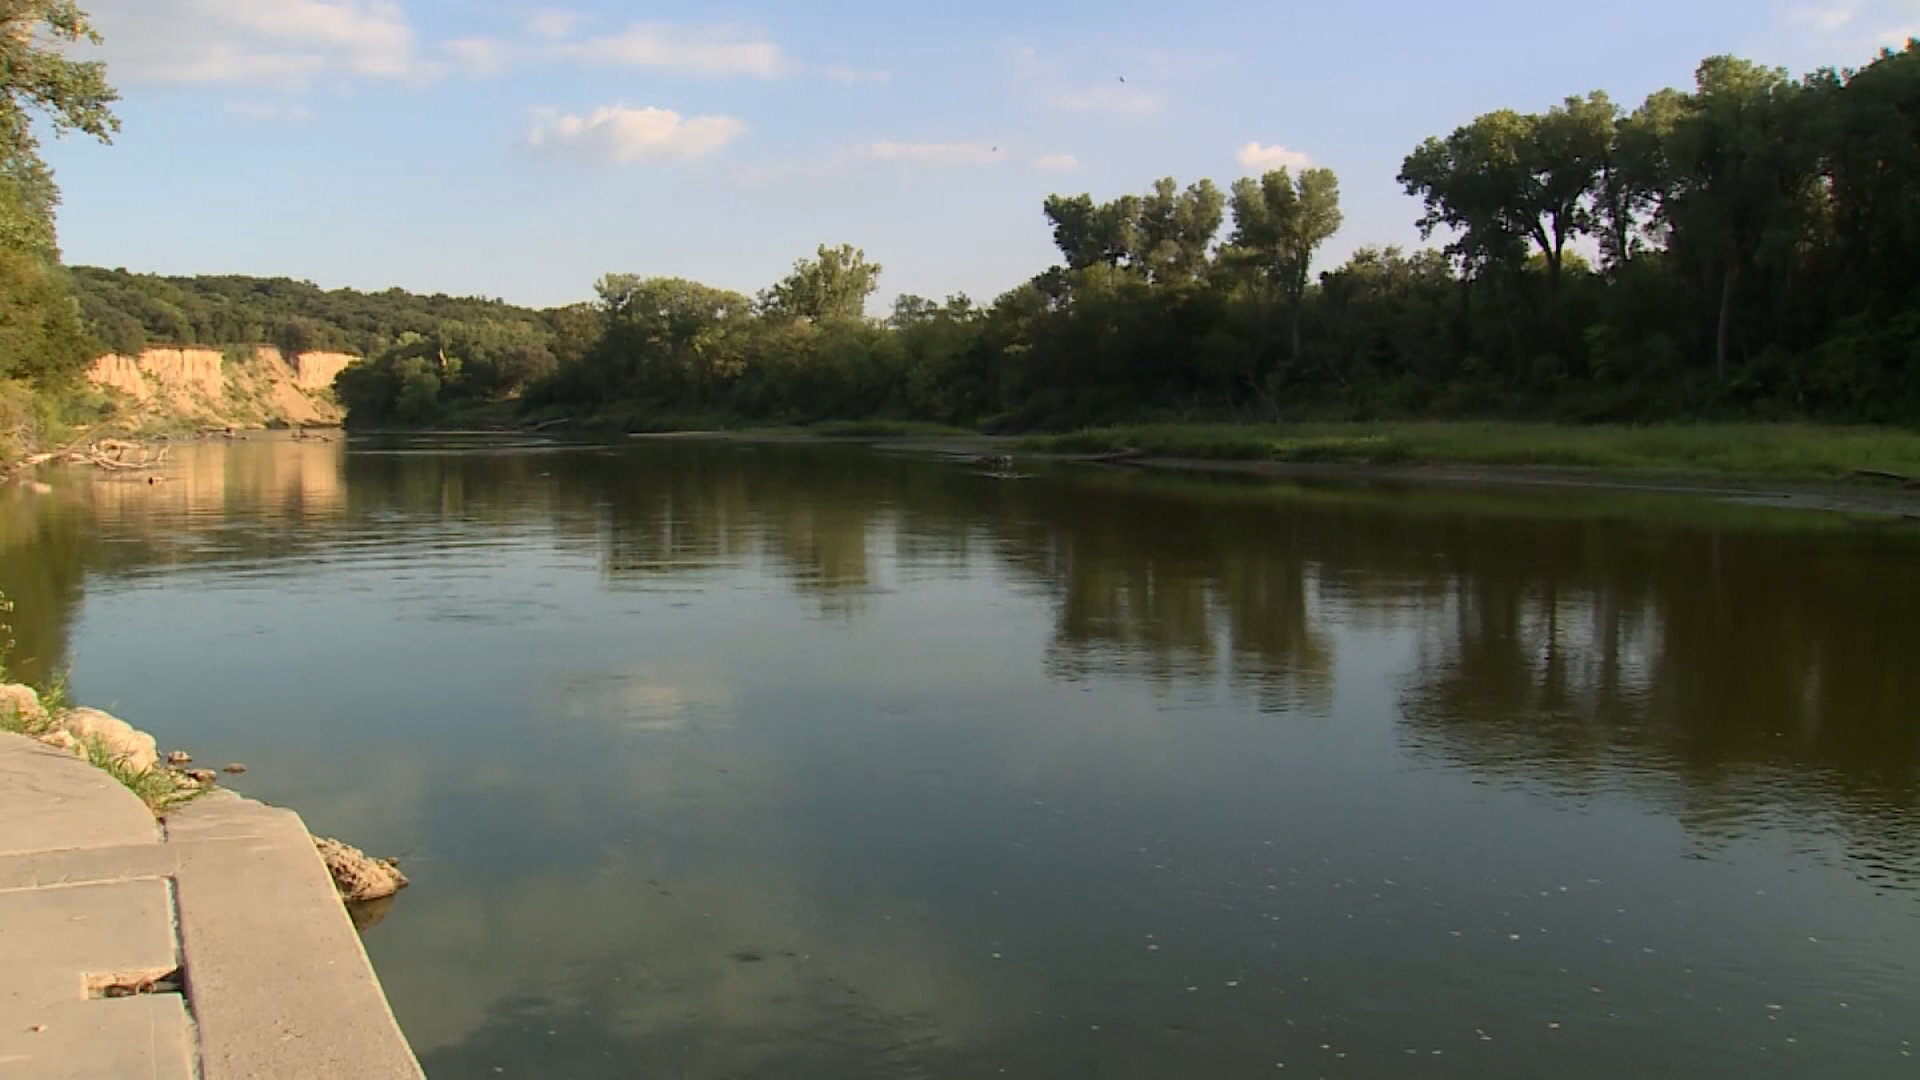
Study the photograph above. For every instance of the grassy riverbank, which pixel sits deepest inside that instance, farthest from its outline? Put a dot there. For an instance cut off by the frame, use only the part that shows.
(1777, 451)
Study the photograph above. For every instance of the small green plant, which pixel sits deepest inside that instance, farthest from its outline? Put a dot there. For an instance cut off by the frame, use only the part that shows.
(161, 789)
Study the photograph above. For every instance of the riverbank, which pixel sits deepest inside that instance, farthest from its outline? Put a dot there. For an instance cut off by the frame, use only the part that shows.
(1848, 470)
(1776, 451)
(211, 944)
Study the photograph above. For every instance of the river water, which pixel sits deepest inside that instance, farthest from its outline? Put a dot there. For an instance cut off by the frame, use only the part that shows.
(715, 760)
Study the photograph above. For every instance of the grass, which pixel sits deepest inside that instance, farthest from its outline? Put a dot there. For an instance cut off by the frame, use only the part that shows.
(160, 788)
(883, 429)
(1782, 451)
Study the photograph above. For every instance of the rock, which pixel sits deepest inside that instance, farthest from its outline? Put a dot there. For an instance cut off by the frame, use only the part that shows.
(22, 704)
(64, 740)
(370, 914)
(135, 749)
(179, 757)
(202, 776)
(236, 768)
(358, 876)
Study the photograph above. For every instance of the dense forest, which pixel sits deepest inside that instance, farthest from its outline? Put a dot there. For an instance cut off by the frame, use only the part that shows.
(127, 312)
(1744, 247)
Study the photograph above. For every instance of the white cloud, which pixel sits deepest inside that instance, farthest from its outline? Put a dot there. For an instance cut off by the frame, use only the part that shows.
(847, 76)
(933, 153)
(1825, 18)
(554, 22)
(481, 56)
(266, 112)
(1028, 63)
(1118, 99)
(621, 135)
(1856, 25)
(1256, 158)
(240, 41)
(696, 51)
(1056, 163)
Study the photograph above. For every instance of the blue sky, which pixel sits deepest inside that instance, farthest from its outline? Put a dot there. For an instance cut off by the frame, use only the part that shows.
(511, 149)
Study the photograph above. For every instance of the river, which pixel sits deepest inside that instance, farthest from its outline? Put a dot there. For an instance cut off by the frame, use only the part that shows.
(717, 760)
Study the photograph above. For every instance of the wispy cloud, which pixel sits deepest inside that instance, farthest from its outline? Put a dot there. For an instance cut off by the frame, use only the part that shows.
(555, 22)
(848, 76)
(1856, 24)
(257, 41)
(266, 112)
(1028, 62)
(1043, 77)
(620, 135)
(688, 50)
(480, 56)
(1822, 18)
(1056, 163)
(933, 153)
(1257, 158)
(1116, 100)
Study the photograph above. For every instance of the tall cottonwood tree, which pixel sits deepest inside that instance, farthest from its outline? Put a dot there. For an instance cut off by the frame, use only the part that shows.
(1279, 222)
(833, 285)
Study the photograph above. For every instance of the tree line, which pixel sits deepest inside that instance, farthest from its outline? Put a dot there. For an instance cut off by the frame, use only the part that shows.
(1742, 247)
(128, 312)
(1739, 247)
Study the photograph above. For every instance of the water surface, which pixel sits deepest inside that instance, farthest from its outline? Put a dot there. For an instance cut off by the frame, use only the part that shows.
(722, 761)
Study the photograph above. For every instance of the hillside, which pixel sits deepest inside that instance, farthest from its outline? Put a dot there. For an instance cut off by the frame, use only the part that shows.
(193, 351)
(165, 388)
(129, 313)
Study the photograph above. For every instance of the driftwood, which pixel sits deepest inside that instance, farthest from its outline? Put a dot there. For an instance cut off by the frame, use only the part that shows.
(34, 461)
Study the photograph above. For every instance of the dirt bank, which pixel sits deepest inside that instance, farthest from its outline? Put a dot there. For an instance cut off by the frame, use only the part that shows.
(197, 387)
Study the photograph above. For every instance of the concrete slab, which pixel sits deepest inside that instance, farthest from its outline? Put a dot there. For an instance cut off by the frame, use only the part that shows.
(148, 1038)
(53, 801)
(280, 984)
(63, 944)
(233, 895)
(51, 869)
(60, 943)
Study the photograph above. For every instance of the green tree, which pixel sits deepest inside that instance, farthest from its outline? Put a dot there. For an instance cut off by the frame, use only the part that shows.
(1089, 233)
(1177, 229)
(667, 336)
(835, 285)
(1279, 222)
(41, 337)
(1733, 180)
(36, 78)
(295, 337)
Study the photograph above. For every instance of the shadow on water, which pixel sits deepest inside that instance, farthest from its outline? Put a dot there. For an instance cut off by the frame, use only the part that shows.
(880, 767)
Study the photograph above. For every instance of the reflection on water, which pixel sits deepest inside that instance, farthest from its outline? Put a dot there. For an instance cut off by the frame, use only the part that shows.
(738, 761)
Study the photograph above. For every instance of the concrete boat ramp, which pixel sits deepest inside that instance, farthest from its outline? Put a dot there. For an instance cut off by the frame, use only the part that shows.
(210, 945)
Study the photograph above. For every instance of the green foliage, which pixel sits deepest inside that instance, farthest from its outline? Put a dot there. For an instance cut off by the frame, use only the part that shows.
(37, 79)
(1788, 450)
(1754, 240)
(124, 310)
(833, 286)
(41, 339)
